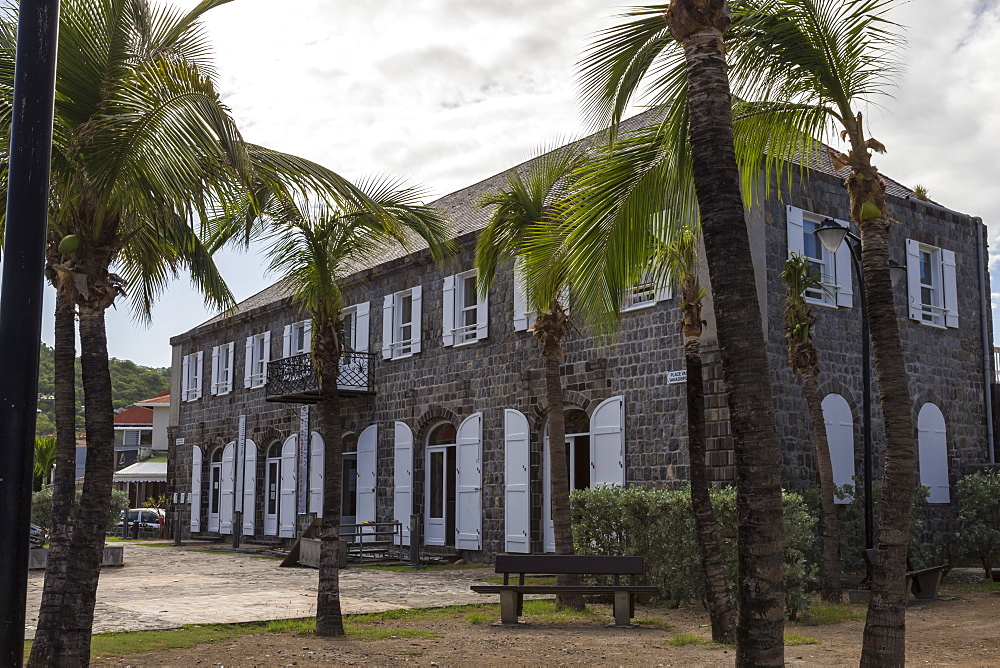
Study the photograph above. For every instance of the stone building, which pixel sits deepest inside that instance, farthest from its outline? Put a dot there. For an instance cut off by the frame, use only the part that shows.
(444, 405)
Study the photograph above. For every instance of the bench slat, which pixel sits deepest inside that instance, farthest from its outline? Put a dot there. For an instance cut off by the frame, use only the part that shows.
(555, 564)
(555, 589)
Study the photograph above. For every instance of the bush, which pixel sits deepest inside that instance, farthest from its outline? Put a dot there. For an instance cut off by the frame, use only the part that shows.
(852, 525)
(41, 507)
(979, 517)
(658, 525)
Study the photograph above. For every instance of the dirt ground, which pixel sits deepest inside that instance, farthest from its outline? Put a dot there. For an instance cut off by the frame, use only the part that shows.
(960, 632)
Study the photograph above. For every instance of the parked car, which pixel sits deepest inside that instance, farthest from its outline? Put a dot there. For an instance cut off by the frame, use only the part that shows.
(146, 518)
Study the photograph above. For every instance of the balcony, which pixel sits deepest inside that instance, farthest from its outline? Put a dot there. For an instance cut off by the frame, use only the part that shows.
(292, 380)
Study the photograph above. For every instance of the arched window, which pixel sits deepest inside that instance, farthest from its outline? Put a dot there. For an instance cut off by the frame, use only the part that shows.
(274, 450)
(932, 450)
(442, 434)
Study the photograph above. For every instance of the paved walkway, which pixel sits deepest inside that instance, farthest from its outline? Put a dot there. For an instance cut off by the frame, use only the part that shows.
(163, 587)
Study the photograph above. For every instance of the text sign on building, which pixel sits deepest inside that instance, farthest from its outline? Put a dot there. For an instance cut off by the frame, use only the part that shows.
(675, 377)
(303, 490)
(179, 441)
(241, 454)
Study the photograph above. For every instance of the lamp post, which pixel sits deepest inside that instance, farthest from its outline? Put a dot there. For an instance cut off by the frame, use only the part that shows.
(831, 234)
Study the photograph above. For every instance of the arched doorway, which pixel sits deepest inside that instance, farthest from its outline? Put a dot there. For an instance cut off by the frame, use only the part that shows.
(578, 460)
(214, 488)
(441, 491)
(349, 487)
(272, 479)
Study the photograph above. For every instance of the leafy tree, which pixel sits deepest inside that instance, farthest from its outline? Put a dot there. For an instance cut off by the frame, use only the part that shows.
(45, 457)
(313, 247)
(525, 212)
(979, 517)
(800, 277)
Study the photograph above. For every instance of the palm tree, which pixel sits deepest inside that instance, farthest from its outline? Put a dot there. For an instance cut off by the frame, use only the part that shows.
(314, 247)
(525, 213)
(799, 276)
(681, 263)
(45, 457)
(142, 148)
(693, 83)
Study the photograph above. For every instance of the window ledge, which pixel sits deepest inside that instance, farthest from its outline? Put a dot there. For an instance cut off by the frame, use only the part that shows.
(931, 324)
(825, 304)
(639, 307)
(465, 343)
(401, 357)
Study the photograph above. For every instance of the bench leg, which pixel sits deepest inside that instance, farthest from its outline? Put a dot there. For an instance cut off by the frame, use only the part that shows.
(623, 608)
(509, 607)
(520, 604)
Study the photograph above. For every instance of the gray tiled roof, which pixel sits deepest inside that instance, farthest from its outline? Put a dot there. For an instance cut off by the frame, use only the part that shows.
(461, 210)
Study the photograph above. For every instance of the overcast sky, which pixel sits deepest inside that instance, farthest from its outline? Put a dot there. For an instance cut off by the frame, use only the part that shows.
(445, 93)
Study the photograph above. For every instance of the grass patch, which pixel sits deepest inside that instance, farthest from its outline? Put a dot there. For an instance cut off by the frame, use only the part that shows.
(795, 639)
(984, 586)
(528, 580)
(653, 622)
(683, 639)
(821, 613)
(406, 569)
(479, 617)
(545, 612)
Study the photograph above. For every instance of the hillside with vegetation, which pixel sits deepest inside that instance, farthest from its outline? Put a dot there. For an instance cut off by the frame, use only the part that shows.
(130, 382)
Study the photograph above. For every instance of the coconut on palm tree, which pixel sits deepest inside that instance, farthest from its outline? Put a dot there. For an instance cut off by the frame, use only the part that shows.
(314, 247)
(799, 276)
(525, 214)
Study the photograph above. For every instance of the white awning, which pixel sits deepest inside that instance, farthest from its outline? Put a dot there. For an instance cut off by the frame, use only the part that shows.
(143, 472)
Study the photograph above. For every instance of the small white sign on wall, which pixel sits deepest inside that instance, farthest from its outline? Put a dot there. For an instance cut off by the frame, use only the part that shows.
(178, 441)
(675, 377)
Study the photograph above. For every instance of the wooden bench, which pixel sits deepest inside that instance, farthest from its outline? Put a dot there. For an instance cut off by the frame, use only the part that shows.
(922, 582)
(512, 595)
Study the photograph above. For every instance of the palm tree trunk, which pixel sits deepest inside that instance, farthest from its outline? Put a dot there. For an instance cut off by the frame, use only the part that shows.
(885, 626)
(562, 521)
(329, 621)
(830, 586)
(55, 598)
(720, 609)
(698, 25)
(69, 644)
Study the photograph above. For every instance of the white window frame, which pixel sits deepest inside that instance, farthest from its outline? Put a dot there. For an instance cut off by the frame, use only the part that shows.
(297, 339)
(455, 331)
(350, 318)
(258, 354)
(942, 310)
(394, 346)
(222, 369)
(835, 268)
(191, 374)
(645, 294)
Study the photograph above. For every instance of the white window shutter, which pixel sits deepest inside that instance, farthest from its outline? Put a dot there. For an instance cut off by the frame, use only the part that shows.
(214, 388)
(607, 443)
(482, 317)
(227, 489)
(231, 369)
(417, 296)
(796, 244)
(932, 451)
(840, 440)
(520, 298)
(286, 341)
(664, 292)
(845, 276)
(517, 482)
(248, 363)
(287, 500)
(199, 368)
(402, 494)
(267, 356)
(249, 485)
(949, 279)
(317, 456)
(448, 315)
(469, 474)
(195, 489)
(367, 474)
(307, 336)
(913, 279)
(387, 326)
(361, 320)
(186, 378)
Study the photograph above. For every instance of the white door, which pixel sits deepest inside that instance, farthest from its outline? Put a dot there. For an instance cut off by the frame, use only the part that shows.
(840, 438)
(402, 496)
(517, 479)
(607, 443)
(317, 453)
(286, 502)
(272, 492)
(440, 465)
(227, 505)
(932, 449)
(249, 487)
(367, 461)
(214, 490)
(469, 478)
(195, 489)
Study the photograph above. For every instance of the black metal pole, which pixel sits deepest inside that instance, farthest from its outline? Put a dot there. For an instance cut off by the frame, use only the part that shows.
(866, 389)
(21, 303)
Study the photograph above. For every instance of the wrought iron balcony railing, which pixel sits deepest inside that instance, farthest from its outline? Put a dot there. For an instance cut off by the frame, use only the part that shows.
(293, 379)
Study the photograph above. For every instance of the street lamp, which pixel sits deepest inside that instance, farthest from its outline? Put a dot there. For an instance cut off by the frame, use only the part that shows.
(832, 234)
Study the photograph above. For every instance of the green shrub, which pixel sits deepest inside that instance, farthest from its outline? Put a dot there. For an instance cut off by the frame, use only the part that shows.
(658, 525)
(852, 525)
(979, 517)
(41, 507)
